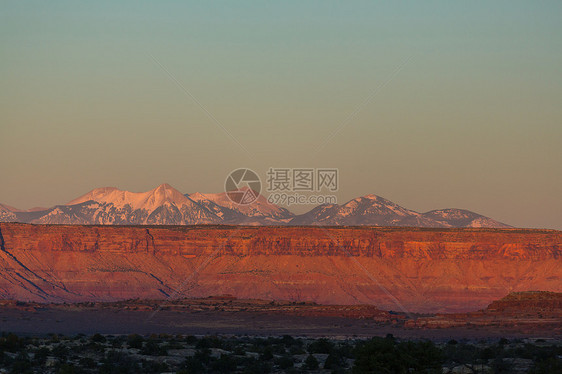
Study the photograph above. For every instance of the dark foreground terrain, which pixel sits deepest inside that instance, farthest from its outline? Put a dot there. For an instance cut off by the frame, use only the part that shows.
(521, 333)
(70, 322)
(184, 354)
(518, 315)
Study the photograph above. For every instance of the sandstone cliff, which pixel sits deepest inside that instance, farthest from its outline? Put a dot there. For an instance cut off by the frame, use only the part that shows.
(408, 269)
(529, 311)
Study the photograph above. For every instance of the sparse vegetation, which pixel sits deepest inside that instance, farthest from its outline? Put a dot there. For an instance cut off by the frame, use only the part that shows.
(216, 354)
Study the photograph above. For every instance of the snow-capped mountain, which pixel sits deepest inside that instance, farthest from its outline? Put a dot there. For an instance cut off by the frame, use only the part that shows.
(165, 205)
(7, 213)
(462, 218)
(377, 211)
(258, 212)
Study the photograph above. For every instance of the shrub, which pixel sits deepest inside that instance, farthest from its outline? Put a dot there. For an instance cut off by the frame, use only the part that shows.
(266, 355)
(225, 364)
(311, 363)
(192, 365)
(98, 338)
(334, 361)
(135, 341)
(385, 355)
(284, 362)
(321, 346)
(41, 355)
(152, 348)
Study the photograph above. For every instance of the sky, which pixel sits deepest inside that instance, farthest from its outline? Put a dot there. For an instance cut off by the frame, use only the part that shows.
(431, 105)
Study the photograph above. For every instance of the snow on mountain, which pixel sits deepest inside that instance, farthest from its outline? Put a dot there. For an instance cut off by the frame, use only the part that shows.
(462, 218)
(260, 210)
(7, 213)
(7, 208)
(149, 200)
(164, 205)
(377, 211)
(367, 210)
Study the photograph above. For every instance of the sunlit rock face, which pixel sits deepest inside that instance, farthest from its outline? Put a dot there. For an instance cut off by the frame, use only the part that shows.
(403, 269)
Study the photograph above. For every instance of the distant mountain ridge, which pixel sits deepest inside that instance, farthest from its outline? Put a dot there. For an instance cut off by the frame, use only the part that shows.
(259, 212)
(165, 205)
(377, 211)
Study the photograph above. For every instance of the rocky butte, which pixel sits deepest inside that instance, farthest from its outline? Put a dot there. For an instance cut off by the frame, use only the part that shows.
(528, 311)
(401, 269)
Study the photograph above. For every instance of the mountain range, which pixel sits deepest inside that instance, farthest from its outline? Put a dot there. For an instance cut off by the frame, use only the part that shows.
(165, 205)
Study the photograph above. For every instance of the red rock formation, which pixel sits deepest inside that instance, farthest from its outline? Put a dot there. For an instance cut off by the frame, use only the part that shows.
(539, 302)
(393, 268)
(529, 311)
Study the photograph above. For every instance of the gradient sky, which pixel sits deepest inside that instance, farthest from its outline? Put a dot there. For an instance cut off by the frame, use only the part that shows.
(466, 106)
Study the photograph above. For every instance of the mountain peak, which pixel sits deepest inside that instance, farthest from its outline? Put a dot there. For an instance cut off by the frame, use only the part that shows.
(96, 195)
(8, 208)
(166, 190)
(371, 196)
(463, 218)
(149, 200)
(164, 186)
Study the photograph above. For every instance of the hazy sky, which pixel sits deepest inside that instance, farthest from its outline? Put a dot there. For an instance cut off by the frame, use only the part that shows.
(465, 109)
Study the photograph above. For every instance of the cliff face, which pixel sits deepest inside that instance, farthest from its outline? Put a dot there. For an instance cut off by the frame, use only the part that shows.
(393, 268)
(529, 311)
(532, 301)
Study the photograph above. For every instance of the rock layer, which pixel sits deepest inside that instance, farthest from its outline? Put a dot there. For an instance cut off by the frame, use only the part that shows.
(528, 311)
(405, 269)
